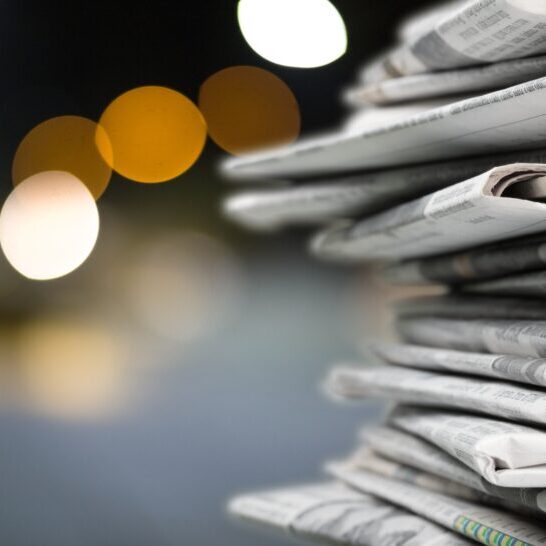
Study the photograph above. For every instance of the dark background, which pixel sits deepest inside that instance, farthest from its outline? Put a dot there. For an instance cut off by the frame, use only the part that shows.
(238, 409)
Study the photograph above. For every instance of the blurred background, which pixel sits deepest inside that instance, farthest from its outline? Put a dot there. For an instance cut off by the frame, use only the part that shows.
(181, 363)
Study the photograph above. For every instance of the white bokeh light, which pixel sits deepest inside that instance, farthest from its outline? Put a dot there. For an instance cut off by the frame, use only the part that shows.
(48, 225)
(298, 33)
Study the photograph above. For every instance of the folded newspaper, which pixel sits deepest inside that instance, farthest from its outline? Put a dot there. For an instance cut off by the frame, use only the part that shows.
(514, 337)
(334, 513)
(481, 263)
(447, 82)
(503, 453)
(323, 200)
(481, 523)
(521, 369)
(466, 34)
(471, 306)
(503, 202)
(497, 398)
(528, 284)
(502, 121)
(414, 452)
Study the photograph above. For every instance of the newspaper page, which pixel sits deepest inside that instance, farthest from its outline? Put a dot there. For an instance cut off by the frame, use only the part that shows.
(334, 513)
(476, 32)
(472, 306)
(424, 20)
(503, 121)
(371, 117)
(366, 459)
(410, 450)
(483, 524)
(486, 262)
(503, 453)
(419, 387)
(521, 369)
(447, 83)
(515, 337)
(321, 201)
(489, 207)
(527, 284)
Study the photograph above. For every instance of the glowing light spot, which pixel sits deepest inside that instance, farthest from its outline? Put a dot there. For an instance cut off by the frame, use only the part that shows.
(300, 33)
(247, 108)
(156, 134)
(71, 368)
(65, 143)
(48, 225)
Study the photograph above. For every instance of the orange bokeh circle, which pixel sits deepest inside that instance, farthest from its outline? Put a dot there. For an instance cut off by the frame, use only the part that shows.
(156, 134)
(248, 108)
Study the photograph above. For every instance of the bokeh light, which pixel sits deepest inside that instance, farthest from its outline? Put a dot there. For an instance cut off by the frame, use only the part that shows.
(182, 286)
(48, 225)
(156, 134)
(299, 33)
(71, 368)
(66, 143)
(247, 108)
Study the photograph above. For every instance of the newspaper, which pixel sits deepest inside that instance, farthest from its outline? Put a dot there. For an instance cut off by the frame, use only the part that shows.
(372, 117)
(496, 398)
(474, 32)
(321, 201)
(503, 121)
(516, 337)
(522, 369)
(479, 210)
(503, 453)
(447, 83)
(423, 20)
(334, 513)
(410, 450)
(527, 284)
(472, 306)
(367, 459)
(483, 524)
(487, 262)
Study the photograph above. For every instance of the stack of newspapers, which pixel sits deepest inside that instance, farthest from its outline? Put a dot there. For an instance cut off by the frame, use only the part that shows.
(439, 173)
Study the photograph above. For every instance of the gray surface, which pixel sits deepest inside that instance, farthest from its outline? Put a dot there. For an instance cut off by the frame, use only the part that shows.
(240, 412)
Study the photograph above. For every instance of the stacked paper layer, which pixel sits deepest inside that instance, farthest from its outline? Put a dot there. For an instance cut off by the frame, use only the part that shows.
(439, 173)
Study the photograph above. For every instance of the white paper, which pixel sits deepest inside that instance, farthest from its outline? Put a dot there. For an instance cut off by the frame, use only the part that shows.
(503, 453)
